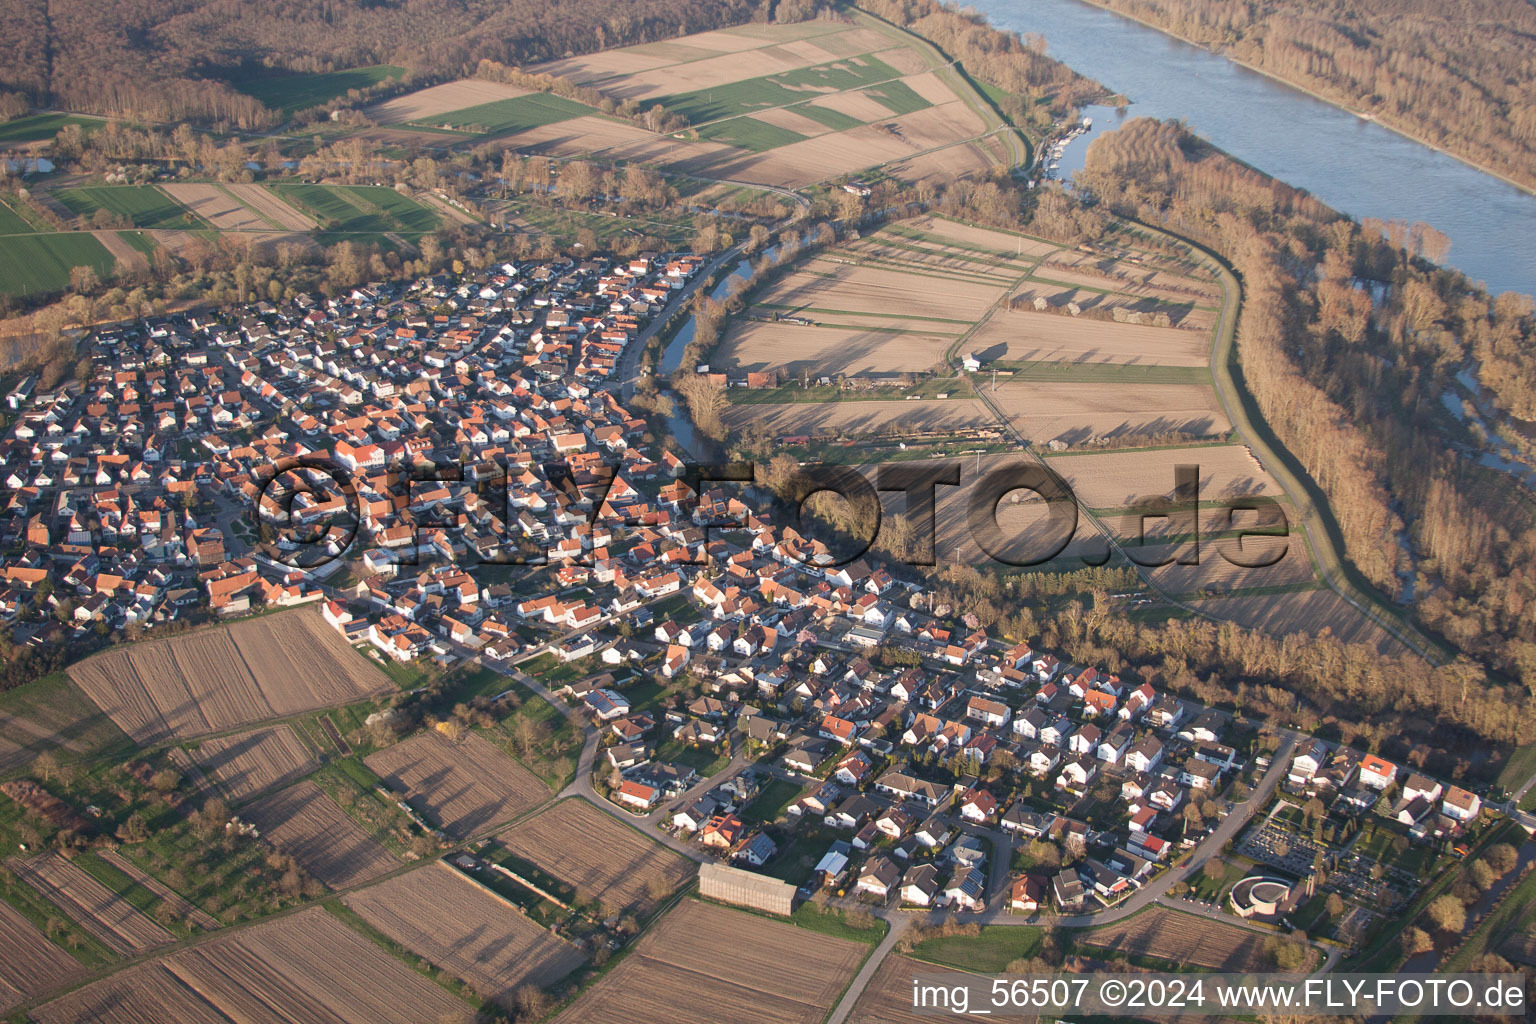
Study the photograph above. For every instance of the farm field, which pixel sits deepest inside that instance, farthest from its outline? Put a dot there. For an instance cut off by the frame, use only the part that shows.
(304, 967)
(1182, 939)
(290, 92)
(794, 348)
(425, 104)
(239, 207)
(615, 140)
(99, 910)
(783, 105)
(305, 823)
(824, 288)
(465, 787)
(1117, 479)
(359, 209)
(1307, 612)
(755, 971)
(11, 222)
(513, 114)
(603, 858)
(53, 714)
(253, 762)
(145, 206)
(29, 963)
(456, 923)
(1078, 412)
(224, 677)
(888, 997)
(1025, 336)
(42, 262)
(854, 417)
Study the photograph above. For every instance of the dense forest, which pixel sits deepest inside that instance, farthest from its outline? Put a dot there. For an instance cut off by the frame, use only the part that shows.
(1458, 75)
(1353, 386)
(1028, 86)
(167, 60)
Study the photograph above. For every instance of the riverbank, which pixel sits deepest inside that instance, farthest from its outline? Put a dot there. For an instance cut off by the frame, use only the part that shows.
(1363, 115)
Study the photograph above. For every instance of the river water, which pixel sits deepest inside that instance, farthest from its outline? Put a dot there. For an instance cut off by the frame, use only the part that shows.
(1354, 165)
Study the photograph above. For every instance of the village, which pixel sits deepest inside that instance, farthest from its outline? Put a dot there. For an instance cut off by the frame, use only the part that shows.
(811, 732)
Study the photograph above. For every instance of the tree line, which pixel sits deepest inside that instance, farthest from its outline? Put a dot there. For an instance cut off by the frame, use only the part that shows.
(1354, 385)
(1459, 76)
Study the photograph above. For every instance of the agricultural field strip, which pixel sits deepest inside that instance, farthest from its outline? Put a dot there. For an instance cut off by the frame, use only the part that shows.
(467, 786)
(579, 844)
(248, 763)
(307, 967)
(162, 891)
(97, 909)
(735, 956)
(439, 913)
(304, 822)
(29, 963)
(184, 686)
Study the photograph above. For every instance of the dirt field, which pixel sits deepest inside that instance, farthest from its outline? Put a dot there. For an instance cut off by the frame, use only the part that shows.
(466, 929)
(1182, 939)
(224, 677)
(441, 99)
(99, 910)
(704, 964)
(825, 285)
(1128, 273)
(304, 967)
(1119, 479)
(981, 238)
(888, 997)
(253, 209)
(1307, 613)
(306, 824)
(29, 963)
(601, 857)
(803, 163)
(1078, 412)
(465, 787)
(1027, 335)
(792, 348)
(254, 762)
(613, 140)
(862, 417)
(792, 119)
(125, 254)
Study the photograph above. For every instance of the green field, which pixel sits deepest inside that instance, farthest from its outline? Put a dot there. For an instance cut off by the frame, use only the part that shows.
(41, 126)
(41, 263)
(289, 92)
(988, 953)
(780, 90)
(144, 205)
(366, 209)
(834, 119)
(139, 240)
(58, 717)
(749, 133)
(11, 222)
(897, 97)
(518, 114)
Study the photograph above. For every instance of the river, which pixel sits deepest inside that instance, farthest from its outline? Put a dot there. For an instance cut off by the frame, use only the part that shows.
(1354, 165)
